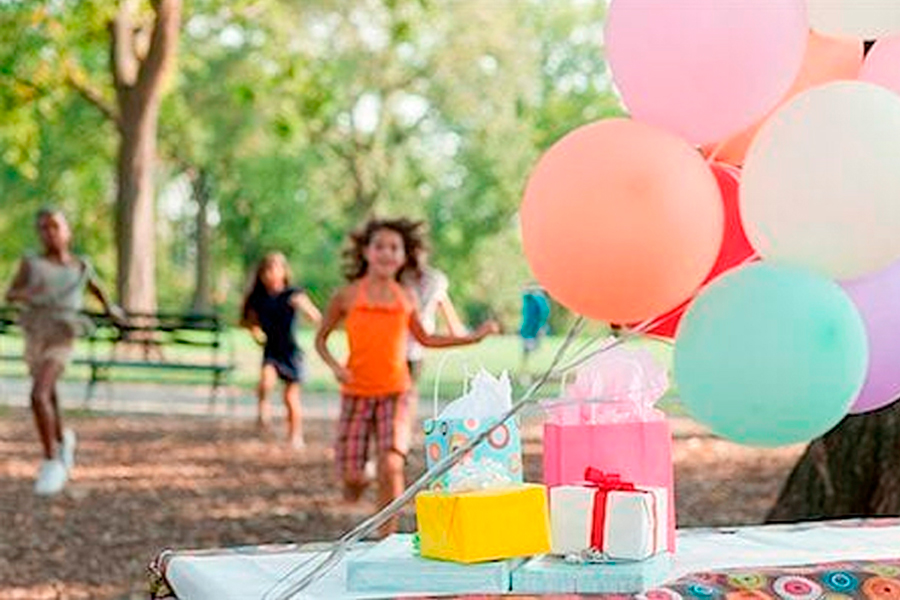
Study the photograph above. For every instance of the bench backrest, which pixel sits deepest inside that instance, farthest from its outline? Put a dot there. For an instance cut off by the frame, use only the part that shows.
(162, 328)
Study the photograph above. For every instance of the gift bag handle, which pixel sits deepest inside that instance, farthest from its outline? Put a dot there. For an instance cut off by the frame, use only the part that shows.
(446, 356)
(563, 380)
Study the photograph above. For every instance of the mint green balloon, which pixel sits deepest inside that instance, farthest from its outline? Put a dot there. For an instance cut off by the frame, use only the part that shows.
(770, 355)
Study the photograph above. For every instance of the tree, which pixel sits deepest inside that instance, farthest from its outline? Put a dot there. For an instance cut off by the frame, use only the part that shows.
(140, 46)
(292, 122)
(138, 76)
(54, 148)
(851, 471)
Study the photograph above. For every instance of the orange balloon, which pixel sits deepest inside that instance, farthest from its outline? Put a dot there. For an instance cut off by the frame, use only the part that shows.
(826, 59)
(621, 221)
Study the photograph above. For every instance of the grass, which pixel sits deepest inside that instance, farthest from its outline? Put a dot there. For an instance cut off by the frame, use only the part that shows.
(494, 354)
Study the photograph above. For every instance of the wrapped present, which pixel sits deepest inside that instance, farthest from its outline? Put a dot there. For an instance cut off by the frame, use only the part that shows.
(553, 575)
(606, 419)
(393, 566)
(484, 525)
(609, 518)
(495, 463)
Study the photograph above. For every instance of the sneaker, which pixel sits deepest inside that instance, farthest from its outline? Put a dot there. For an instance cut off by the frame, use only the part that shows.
(67, 449)
(51, 478)
(370, 470)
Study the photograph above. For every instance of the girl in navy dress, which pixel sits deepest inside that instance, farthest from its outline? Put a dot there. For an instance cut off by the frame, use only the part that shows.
(269, 312)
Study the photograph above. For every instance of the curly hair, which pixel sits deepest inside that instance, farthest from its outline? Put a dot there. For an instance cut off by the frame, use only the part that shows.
(412, 233)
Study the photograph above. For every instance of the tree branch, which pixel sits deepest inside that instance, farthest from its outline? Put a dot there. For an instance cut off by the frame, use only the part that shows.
(123, 60)
(163, 43)
(39, 90)
(93, 96)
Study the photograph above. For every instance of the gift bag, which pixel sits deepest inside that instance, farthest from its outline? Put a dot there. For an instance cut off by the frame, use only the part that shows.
(495, 463)
(606, 420)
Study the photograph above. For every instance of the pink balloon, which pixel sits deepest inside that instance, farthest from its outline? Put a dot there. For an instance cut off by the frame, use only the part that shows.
(882, 64)
(704, 69)
(876, 298)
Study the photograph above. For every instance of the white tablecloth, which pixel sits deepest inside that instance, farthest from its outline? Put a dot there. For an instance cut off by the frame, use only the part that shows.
(246, 573)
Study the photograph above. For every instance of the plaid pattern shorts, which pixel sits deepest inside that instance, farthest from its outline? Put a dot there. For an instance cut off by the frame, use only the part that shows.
(384, 418)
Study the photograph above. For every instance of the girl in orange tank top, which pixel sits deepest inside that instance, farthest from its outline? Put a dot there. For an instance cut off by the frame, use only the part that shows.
(378, 315)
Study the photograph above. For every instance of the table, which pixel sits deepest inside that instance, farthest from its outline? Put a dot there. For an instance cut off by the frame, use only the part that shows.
(806, 561)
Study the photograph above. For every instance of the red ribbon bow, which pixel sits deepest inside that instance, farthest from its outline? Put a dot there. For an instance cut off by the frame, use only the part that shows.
(605, 483)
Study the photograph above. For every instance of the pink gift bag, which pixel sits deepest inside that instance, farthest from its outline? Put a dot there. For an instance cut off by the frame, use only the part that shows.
(607, 421)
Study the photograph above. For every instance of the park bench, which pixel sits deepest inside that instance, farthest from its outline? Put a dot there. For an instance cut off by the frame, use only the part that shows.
(165, 342)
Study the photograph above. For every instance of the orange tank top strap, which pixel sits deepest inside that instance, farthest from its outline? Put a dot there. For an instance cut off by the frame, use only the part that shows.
(364, 300)
(377, 335)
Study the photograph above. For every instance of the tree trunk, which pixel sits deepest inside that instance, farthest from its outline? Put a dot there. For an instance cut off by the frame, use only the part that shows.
(138, 76)
(200, 188)
(135, 204)
(852, 471)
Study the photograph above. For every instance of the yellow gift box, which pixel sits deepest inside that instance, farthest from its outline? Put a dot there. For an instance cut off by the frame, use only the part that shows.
(484, 525)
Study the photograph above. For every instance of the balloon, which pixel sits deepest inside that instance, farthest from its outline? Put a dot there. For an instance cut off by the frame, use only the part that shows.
(734, 251)
(876, 298)
(704, 69)
(826, 59)
(820, 186)
(621, 221)
(861, 19)
(882, 64)
(770, 355)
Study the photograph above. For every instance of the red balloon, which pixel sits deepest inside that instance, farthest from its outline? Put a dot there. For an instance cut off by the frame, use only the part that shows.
(735, 249)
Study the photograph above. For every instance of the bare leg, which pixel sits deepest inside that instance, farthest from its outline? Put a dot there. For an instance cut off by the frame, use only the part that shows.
(266, 382)
(354, 489)
(415, 372)
(46, 415)
(390, 486)
(54, 397)
(295, 418)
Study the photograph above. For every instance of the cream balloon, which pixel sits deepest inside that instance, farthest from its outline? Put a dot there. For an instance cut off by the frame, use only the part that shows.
(862, 19)
(821, 184)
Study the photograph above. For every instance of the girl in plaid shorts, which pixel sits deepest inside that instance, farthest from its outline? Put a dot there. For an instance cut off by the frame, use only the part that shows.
(378, 315)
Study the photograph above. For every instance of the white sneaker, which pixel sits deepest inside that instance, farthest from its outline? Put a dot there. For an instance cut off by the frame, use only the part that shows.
(370, 470)
(51, 478)
(67, 449)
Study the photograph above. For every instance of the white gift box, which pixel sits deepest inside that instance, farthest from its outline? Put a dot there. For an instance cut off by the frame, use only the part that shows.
(634, 522)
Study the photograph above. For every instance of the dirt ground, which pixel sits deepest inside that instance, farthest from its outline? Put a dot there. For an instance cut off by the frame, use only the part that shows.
(145, 483)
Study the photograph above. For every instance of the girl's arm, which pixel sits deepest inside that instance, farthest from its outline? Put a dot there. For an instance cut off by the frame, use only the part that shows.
(250, 322)
(111, 309)
(96, 290)
(447, 341)
(18, 289)
(301, 301)
(454, 323)
(334, 314)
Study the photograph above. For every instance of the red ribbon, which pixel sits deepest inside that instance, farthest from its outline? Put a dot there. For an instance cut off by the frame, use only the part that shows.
(605, 483)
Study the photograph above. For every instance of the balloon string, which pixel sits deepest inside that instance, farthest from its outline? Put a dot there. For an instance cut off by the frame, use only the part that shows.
(294, 580)
(300, 576)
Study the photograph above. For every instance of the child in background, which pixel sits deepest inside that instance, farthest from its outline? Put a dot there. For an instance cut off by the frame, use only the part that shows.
(269, 312)
(378, 314)
(432, 290)
(51, 289)
(535, 314)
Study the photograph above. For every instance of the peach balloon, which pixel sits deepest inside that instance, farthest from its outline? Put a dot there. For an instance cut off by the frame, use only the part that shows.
(621, 221)
(826, 59)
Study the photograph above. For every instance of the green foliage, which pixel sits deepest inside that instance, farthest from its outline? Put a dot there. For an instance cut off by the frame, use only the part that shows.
(305, 118)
